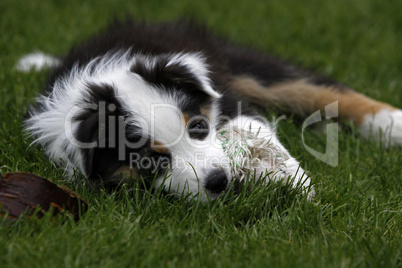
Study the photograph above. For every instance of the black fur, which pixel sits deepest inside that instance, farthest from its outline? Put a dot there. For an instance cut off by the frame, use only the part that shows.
(174, 77)
(225, 59)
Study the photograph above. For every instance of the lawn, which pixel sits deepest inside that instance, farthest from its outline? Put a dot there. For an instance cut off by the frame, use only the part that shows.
(356, 218)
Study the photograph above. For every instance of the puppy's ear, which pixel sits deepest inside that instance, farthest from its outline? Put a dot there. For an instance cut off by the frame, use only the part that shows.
(92, 123)
(186, 72)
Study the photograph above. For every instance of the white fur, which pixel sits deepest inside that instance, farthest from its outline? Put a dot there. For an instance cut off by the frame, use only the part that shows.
(37, 61)
(385, 126)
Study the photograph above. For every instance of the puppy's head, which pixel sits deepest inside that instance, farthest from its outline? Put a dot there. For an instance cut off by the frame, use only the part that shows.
(152, 117)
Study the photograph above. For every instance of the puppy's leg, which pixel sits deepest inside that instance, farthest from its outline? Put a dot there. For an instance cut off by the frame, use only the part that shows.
(269, 81)
(303, 97)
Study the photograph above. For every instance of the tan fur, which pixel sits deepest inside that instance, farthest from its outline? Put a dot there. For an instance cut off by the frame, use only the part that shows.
(159, 147)
(304, 98)
(186, 118)
(125, 172)
(205, 110)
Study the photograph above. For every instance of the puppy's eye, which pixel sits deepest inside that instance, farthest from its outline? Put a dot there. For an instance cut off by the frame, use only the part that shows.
(198, 129)
(196, 126)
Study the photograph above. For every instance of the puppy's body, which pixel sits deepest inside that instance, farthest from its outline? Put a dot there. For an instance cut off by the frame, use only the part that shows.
(151, 99)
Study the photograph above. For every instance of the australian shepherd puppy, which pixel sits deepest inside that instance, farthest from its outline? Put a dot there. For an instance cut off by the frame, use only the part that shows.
(150, 101)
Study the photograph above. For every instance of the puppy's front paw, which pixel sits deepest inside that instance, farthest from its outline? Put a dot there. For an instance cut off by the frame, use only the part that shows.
(310, 193)
(302, 180)
(297, 177)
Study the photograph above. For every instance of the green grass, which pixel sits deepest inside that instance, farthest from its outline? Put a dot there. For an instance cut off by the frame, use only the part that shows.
(356, 219)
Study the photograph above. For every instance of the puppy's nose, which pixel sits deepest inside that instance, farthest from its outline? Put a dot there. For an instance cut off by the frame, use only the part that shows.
(217, 181)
